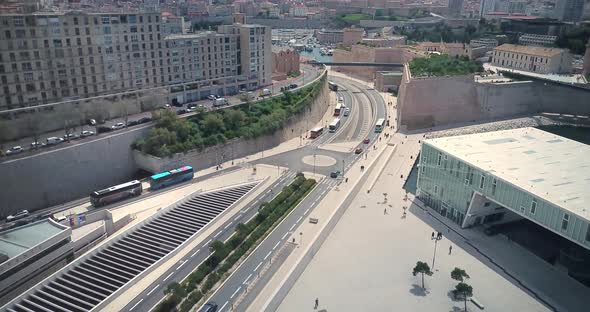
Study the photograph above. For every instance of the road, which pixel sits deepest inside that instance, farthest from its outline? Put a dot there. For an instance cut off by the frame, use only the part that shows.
(309, 74)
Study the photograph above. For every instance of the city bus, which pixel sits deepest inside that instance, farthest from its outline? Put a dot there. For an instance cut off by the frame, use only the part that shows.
(167, 178)
(332, 86)
(339, 108)
(116, 193)
(334, 125)
(379, 125)
(316, 132)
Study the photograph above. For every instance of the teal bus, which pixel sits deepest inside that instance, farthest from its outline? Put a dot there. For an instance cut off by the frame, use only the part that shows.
(379, 125)
(167, 178)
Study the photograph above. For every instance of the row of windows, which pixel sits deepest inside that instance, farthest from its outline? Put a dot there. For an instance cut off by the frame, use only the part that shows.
(522, 57)
(20, 21)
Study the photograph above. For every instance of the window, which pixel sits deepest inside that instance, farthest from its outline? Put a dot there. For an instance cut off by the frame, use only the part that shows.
(439, 155)
(533, 206)
(445, 162)
(522, 209)
(482, 181)
(494, 182)
(565, 221)
(487, 204)
(436, 189)
(588, 233)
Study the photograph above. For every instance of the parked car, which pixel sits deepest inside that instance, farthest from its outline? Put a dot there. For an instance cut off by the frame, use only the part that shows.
(334, 174)
(293, 86)
(358, 150)
(15, 150)
(132, 123)
(35, 145)
(86, 133)
(118, 126)
(71, 136)
(53, 140)
(212, 97)
(265, 92)
(366, 141)
(181, 111)
(144, 120)
(18, 215)
(103, 129)
(209, 307)
(91, 122)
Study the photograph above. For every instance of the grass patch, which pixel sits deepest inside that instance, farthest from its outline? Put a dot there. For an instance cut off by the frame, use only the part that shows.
(444, 65)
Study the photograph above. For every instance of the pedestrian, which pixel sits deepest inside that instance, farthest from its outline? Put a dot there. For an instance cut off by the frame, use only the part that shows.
(317, 303)
(404, 215)
(385, 211)
(450, 249)
(432, 236)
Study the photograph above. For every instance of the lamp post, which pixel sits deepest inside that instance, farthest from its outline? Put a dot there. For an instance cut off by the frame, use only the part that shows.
(435, 238)
(300, 238)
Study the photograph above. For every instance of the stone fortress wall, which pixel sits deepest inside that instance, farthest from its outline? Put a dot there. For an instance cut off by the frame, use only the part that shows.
(445, 101)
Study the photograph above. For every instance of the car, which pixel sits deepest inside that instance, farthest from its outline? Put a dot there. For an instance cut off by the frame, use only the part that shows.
(86, 133)
(18, 215)
(132, 123)
(181, 111)
(144, 120)
(293, 86)
(103, 129)
(53, 140)
(366, 141)
(91, 122)
(358, 150)
(15, 150)
(209, 307)
(334, 174)
(190, 110)
(212, 97)
(118, 126)
(71, 136)
(35, 145)
(346, 112)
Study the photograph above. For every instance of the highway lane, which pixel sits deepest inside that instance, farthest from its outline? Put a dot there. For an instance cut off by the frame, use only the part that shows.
(152, 294)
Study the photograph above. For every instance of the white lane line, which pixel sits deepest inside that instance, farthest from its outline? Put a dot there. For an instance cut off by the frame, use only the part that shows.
(214, 236)
(247, 278)
(306, 211)
(313, 203)
(223, 306)
(207, 243)
(195, 253)
(285, 235)
(299, 219)
(151, 291)
(276, 245)
(235, 292)
(228, 225)
(180, 266)
(268, 254)
(167, 277)
(236, 218)
(256, 268)
(135, 305)
(292, 226)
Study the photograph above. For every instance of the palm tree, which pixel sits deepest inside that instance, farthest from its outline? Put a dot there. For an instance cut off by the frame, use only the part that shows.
(422, 268)
(465, 290)
(459, 274)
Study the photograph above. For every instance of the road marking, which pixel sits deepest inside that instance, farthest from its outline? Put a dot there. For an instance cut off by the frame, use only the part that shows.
(151, 291)
(313, 203)
(235, 292)
(292, 226)
(195, 253)
(225, 228)
(256, 268)
(236, 218)
(276, 245)
(268, 254)
(180, 266)
(223, 306)
(207, 243)
(306, 211)
(167, 277)
(285, 235)
(135, 305)
(214, 236)
(247, 278)
(299, 219)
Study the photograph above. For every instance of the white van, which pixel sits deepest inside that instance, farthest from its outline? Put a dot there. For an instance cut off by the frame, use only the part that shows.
(220, 102)
(266, 92)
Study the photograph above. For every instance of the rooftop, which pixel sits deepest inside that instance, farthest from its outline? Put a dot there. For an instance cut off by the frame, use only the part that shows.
(537, 51)
(18, 240)
(546, 165)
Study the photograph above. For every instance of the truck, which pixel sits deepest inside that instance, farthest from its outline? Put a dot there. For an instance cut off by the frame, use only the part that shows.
(220, 102)
(265, 92)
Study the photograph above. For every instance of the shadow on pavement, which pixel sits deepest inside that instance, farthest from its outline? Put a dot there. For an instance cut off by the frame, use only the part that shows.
(417, 290)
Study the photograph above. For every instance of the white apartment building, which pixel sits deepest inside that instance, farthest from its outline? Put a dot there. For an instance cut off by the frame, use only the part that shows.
(537, 40)
(534, 59)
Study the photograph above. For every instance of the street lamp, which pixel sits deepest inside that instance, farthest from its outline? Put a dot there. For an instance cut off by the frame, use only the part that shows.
(300, 238)
(435, 238)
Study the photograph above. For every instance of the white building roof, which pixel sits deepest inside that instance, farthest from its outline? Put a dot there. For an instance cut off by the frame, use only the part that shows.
(550, 167)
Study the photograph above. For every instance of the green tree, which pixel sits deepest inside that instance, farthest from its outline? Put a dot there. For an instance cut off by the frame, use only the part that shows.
(213, 123)
(459, 274)
(157, 142)
(465, 290)
(422, 268)
(233, 119)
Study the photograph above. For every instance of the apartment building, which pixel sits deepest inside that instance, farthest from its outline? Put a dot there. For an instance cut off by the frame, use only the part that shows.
(537, 40)
(533, 59)
(51, 57)
(48, 57)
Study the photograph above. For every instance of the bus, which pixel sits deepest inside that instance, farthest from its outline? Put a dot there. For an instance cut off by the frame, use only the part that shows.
(339, 108)
(334, 125)
(332, 86)
(116, 193)
(316, 132)
(167, 178)
(379, 125)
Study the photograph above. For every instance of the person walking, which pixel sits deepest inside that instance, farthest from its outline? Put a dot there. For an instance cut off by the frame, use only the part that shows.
(385, 211)
(450, 249)
(317, 303)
